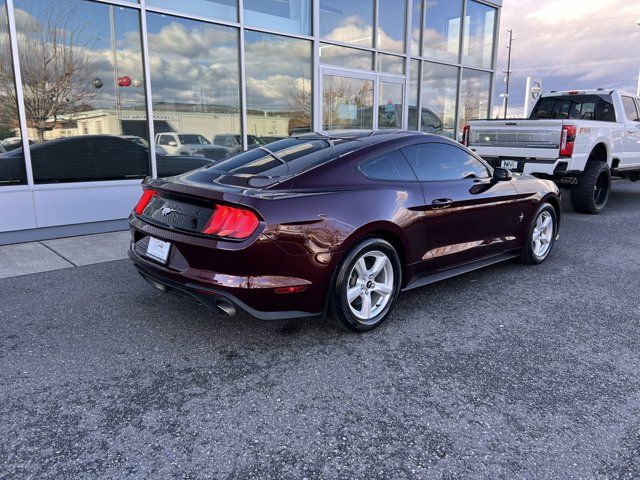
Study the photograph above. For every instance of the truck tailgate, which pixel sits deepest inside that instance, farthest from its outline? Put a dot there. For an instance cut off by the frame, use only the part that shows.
(516, 138)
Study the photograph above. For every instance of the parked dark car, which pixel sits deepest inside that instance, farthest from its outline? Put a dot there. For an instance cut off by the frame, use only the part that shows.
(13, 143)
(337, 224)
(96, 157)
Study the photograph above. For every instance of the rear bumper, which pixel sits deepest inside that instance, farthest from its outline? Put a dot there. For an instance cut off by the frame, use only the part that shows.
(549, 168)
(215, 299)
(246, 276)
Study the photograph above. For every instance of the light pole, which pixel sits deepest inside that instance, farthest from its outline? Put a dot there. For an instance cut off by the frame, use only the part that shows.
(638, 92)
(505, 96)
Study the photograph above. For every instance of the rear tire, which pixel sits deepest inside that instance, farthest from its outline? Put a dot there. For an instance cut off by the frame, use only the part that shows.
(366, 286)
(591, 193)
(541, 236)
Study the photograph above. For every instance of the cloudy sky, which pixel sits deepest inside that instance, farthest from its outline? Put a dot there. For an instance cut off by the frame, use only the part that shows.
(569, 44)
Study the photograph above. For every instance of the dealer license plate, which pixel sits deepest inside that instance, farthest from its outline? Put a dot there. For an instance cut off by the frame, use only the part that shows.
(510, 164)
(158, 250)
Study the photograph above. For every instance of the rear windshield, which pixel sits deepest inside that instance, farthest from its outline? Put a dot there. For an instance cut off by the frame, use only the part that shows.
(284, 157)
(575, 107)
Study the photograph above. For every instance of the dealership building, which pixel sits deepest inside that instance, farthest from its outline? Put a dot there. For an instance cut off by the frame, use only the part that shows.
(97, 95)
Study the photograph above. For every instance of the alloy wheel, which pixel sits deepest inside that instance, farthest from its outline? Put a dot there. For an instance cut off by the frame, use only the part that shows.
(543, 234)
(370, 286)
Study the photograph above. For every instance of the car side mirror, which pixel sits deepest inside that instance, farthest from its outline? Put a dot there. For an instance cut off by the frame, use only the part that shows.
(173, 144)
(501, 174)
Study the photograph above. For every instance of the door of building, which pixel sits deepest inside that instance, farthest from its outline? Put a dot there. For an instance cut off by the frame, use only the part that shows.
(361, 100)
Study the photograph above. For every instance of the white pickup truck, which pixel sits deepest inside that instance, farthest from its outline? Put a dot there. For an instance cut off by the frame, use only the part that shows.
(580, 139)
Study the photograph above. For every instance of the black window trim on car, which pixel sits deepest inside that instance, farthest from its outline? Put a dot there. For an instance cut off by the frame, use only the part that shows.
(453, 145)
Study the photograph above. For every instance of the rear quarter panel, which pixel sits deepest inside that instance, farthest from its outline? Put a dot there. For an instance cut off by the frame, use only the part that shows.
(331, 209)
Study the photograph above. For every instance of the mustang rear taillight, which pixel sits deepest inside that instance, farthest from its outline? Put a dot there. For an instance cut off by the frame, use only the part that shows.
(231, 222)
(146, 197)
(567, 140)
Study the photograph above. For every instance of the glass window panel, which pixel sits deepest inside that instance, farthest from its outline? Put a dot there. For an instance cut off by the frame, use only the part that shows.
(416, 27)
(477, 46)
(347, 103)
(474, 97)
(437, 162)
(12, 169)
(347, 21)
(85, 98)
(390, 105)
(392, 166)
(346, 57)
(390, 64)
(439, 87)
(414, 83)
(441, 38)
(292, 16)
(221, 9)
(391, 25)
(278, 93)
(195, 79)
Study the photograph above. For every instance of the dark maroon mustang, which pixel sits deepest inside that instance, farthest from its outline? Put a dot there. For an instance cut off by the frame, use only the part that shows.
(336, 225)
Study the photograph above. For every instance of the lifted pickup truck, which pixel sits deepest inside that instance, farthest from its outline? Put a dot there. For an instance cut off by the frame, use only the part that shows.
(579, 139)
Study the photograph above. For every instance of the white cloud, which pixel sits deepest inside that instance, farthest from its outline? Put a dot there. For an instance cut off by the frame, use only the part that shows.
(571, 44)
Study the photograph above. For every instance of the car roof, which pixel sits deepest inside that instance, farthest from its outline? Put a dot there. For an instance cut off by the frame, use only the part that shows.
(368, 137)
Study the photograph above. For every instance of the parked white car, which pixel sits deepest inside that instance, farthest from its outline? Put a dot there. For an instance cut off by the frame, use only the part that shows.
(191, 144)
(580, 139)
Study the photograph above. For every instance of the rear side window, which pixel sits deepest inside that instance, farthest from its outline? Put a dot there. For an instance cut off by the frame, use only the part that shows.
(434, 162)
(389, 167)
(630, 109)
(576, 107)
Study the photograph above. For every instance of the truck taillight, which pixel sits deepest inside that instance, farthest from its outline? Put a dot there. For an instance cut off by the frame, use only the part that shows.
(567, 140)
(231, 222)
(147, 195)
(466, 131)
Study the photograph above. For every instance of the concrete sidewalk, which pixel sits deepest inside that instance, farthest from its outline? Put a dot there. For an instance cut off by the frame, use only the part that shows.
(35, 257)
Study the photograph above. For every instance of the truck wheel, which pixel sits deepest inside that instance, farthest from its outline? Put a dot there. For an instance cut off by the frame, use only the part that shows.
(591, 193)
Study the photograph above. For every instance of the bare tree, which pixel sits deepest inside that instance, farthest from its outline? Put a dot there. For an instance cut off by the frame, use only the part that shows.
(56, 66)
(300, 100)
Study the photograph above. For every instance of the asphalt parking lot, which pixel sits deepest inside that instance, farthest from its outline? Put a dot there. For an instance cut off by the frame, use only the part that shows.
(509, 372)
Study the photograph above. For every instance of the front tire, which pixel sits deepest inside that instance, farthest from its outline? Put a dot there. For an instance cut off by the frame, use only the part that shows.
(366, 286)
(591, 193)
(541, 236)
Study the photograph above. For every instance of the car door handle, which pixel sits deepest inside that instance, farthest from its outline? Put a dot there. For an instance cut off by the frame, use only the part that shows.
(631, 132)
(441, 203)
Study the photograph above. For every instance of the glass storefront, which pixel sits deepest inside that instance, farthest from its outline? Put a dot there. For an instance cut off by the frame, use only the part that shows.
(84, 90)
(347, 21)
(195, 79)
(477, 43)
(439, 88)
(12, 166)
(278, 93)
(391, 25)
(104, 85)
(474, 97)
(441, 34)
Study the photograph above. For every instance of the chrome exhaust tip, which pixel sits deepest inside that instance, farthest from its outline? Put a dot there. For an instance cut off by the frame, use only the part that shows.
(226, 307)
